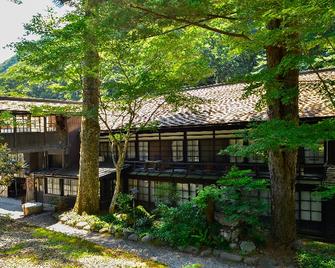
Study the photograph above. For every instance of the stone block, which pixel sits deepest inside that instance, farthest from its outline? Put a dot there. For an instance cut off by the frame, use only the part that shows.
(32, 208)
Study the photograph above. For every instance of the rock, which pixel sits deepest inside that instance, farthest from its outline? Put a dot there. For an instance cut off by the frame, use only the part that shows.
(220, 218)
(71, 222)
(112, 230)
(233, 245)
(227, 235)
(251, 260)
(230, 257)
(87, 228)
(247, 247)
(191, 250)
(133, 237)
(64, 219)
(147, 238)
(216, 252)
(103, 230)
(206, 253)
(126, 233)
(81, 224)
(235, 234)
(31, 208)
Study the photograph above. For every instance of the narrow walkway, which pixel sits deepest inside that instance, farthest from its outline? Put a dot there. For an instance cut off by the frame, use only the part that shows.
(168, 256)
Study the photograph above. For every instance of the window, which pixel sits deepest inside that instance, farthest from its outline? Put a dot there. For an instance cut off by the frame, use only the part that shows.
(193, 151)
(70, 187)
(53, 186)
(314, 156)
(37, 124)
(143, 190)
(236, 159)
(143, 148)
(22, 123)
(177, 151)
(7, 125)
(105, 151)
(310, 207)
(131, 151)
(51, 123)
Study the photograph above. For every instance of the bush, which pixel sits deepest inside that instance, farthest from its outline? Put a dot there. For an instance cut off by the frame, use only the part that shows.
(124, 202)
(185, 225)
(316, 254)
(239, 204)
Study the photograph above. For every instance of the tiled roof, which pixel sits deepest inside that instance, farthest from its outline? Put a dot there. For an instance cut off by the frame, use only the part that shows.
(224, 104)
(18, 104)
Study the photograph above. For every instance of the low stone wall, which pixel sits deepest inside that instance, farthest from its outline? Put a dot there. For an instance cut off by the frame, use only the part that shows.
(60, 202)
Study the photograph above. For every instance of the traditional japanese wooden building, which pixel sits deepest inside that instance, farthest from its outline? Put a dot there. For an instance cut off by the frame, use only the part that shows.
(181, 156)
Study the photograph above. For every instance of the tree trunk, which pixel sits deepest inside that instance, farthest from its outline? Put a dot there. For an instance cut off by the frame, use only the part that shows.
(88, 188)
(117, 189)
(282, 162)
(122, 151)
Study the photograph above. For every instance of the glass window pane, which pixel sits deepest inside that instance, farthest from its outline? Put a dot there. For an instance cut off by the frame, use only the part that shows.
(316, 216)
(305, 215)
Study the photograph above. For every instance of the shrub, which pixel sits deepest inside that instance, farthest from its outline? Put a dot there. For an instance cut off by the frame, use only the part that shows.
(124, 202)
(316, 254)
(239, 203)
(185, 225)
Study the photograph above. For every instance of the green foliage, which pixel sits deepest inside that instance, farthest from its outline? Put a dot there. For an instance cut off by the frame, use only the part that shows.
(316, 254)
(166, 193)
(211, 192)
(185, 225)
(325, 192)
(238, 203)
(124, 202)
(9, 166)
(278, 134)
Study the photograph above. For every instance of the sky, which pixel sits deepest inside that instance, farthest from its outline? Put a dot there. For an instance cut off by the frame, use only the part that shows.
(12, 18)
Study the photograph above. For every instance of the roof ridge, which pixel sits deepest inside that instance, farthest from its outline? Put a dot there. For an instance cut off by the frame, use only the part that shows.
(32, 99)
(241, 82)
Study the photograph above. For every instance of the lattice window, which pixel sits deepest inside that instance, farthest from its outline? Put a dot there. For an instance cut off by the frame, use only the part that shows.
(70, 187)
(37, 124)
(193, 151)
(183, 192)
(315, 156)
(143, 148)
(236, 159)
(177, 151)
(22, 123)
(51, 123)
(105, 151)
(143, 190)
(53, 186)
(194, 189)
(131, 150)
(310, 207)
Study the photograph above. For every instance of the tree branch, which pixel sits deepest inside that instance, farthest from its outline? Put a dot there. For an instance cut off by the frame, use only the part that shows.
(183, 20)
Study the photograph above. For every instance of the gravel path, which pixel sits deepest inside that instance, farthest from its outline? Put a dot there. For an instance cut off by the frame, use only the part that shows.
(170, 257)
(10, 207)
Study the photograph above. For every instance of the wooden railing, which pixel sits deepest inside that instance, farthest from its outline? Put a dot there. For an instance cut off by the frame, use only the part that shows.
(259, 170)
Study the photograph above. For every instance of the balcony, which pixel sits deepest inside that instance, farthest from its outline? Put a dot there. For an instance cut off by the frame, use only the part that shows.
(213, 171)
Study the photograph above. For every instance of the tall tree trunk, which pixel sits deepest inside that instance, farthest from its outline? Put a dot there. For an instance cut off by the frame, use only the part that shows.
(118, 172)
(283, 162)
(88, 188)
(117, 189)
